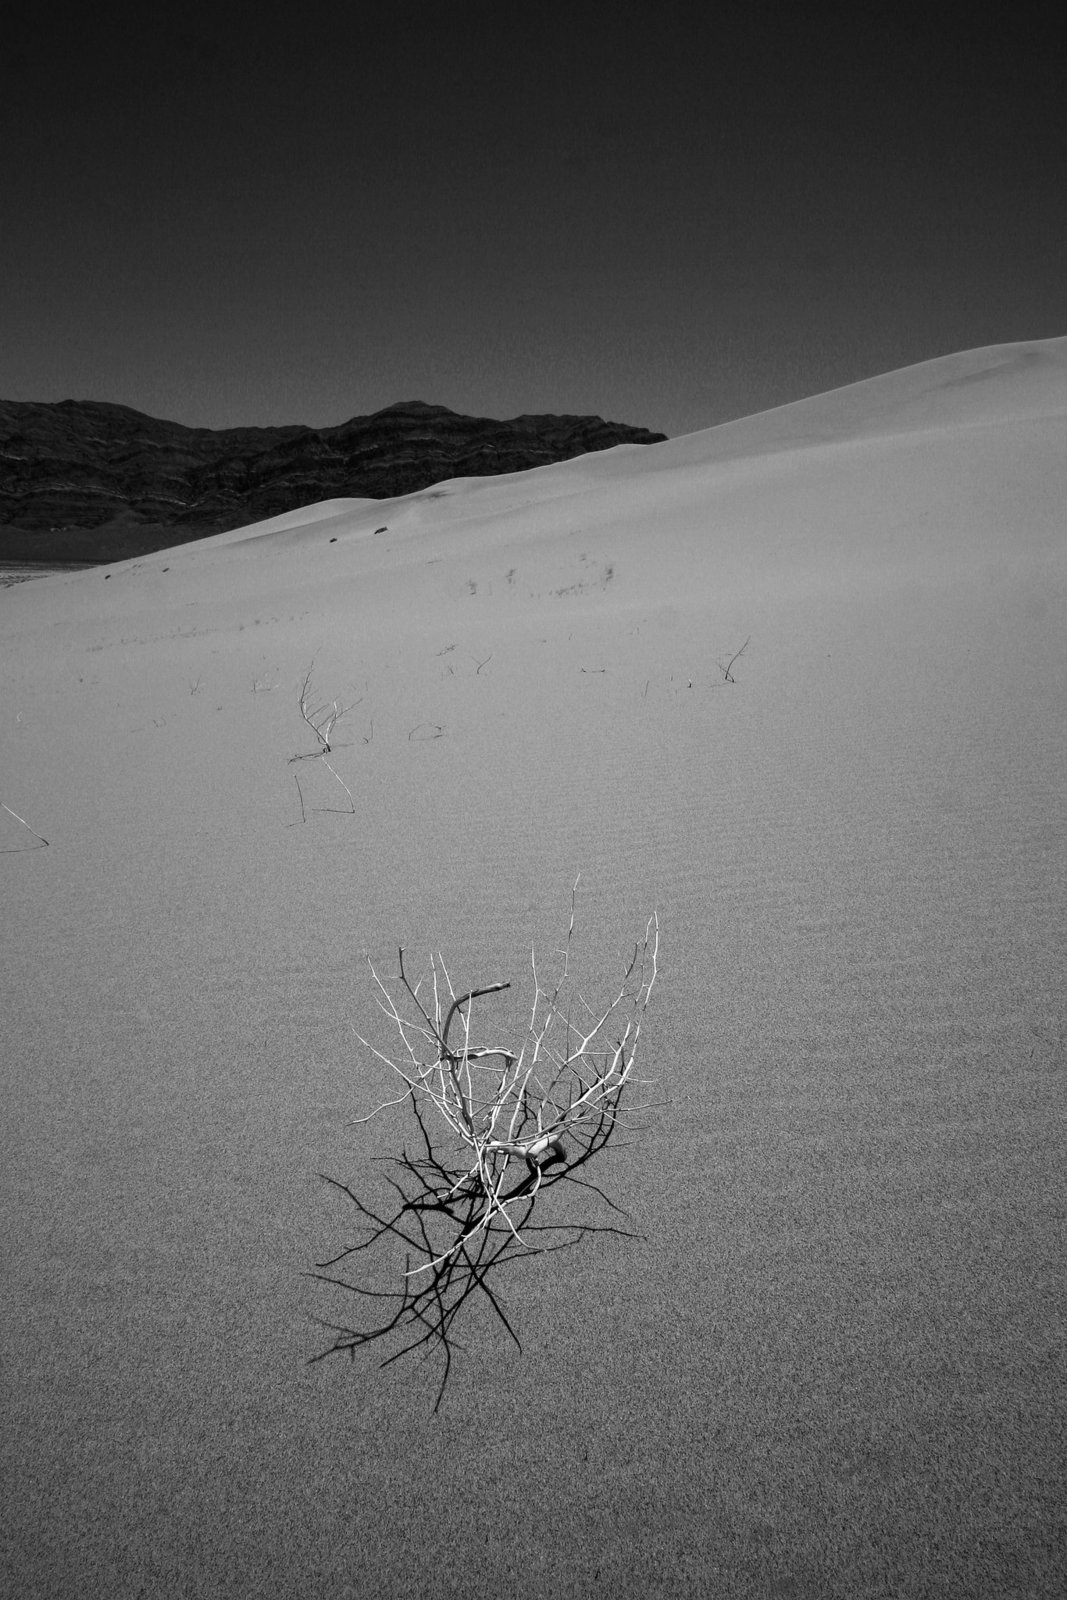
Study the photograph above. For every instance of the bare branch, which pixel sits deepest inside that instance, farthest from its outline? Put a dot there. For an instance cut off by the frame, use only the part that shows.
(499, 1127)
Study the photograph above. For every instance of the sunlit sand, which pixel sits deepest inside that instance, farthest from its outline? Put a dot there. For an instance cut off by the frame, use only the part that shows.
(832, 1363)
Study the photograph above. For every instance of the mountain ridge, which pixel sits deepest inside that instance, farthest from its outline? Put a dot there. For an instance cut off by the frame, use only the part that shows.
(90, 480)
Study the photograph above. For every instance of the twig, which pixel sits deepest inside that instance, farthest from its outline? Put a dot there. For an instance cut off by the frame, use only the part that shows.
(498, 1129)
(322, 720)
(25, 824)
(727, 675)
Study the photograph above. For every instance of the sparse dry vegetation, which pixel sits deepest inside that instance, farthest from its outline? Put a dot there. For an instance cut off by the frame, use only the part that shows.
(496, 1128)
(321, 719)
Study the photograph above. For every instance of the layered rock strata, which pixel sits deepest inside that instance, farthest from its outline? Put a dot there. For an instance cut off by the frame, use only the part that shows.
(84, 480)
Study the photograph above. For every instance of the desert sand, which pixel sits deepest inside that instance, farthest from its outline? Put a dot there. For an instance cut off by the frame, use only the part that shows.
(833, 1363)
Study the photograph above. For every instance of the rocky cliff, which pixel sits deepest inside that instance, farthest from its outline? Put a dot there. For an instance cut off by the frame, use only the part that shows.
(82, 480)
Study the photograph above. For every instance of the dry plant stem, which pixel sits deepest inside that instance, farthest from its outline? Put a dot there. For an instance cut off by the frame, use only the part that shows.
(25, 824)
(499, 1128)
(322, 720)
(727, 674)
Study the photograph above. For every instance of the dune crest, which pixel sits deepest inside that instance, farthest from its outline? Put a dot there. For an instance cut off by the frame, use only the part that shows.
(798, 684)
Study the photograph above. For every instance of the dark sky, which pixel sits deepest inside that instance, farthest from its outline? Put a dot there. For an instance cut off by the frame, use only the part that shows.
(669, 215)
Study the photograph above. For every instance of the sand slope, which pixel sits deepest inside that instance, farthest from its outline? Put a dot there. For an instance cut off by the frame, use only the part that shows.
(834, 1367)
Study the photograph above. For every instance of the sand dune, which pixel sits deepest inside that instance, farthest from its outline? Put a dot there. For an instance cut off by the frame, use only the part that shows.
(834, 1365)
